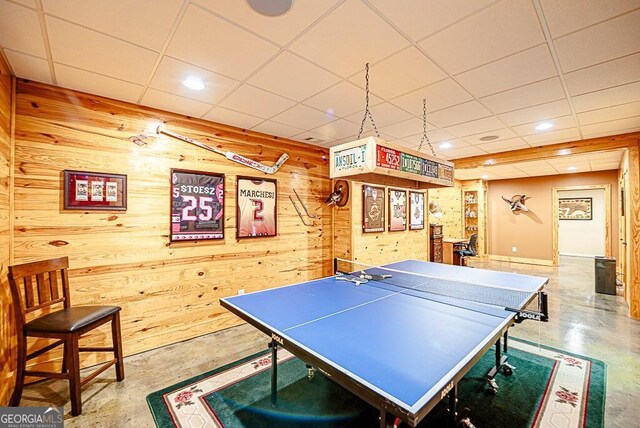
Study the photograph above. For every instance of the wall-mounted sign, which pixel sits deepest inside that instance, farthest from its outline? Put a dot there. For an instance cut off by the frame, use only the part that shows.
(94, 191)
(197, 205)
(349, 159)
(256, 212)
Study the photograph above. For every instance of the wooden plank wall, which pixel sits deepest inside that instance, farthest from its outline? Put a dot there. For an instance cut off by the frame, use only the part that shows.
(7, 339)
(450, 201)
(168, 291)
(383, 247)
(633, 232)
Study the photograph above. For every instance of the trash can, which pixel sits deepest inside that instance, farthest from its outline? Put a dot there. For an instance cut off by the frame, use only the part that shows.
(605, 268)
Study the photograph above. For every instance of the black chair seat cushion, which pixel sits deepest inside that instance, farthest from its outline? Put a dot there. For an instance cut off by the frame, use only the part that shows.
(70, 319)
(465, 253)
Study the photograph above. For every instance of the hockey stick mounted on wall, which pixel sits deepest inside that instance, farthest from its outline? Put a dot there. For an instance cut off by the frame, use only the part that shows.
(229, 155)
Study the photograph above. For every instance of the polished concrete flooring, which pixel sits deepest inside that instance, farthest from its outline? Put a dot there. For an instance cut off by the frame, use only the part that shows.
(580, 321)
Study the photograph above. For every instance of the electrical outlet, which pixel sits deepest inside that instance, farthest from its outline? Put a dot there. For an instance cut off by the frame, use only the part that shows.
(514, 249)
(240, 291)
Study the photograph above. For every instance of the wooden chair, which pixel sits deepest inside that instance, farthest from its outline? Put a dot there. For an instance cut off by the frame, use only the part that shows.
(66, 325)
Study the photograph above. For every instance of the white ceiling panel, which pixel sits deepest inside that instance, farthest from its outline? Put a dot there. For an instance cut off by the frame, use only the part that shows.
(445, 93)
(501, 134)
(497, 31)
(256, 102)
(488, 125)
(335, 41)
(293, 77)
(537, 113)
(383, 114)
(80, 80)
(557, 123)
(503, 145)
(464, 152)
(27, 3)
(466, 112)
(405, 128)
(337, 129)
(162, 100)
(612, 113)
(20, 29)
(208, 41)
(525, 96)
(29, 67)
(522, 68)
(113, 17)
(234, 118)
(606, 75)
(607, 97)
(171, 73)
(341, 100)
(627, 125)
(401, 73)
(304, 117)
(436, 137)
(603, 42)
(567, 16)
(559, 136)
(277, 129)
(92, 51)
(279, 29)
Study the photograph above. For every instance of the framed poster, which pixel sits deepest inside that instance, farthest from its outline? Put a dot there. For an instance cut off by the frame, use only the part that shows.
(372, 209)
(257, 207)
(397, 210)
(574, 208)
(197, 205)
(416, 210)
(85, 190)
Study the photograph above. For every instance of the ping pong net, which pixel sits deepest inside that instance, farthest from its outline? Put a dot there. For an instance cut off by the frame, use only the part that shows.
(485, 298)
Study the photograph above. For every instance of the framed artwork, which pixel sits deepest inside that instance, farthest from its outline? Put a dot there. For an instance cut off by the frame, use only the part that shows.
(574, 208)
(85, 190)
(197, 205)
(416, 210)
(397, 210)
(372, 209)
(257, 207)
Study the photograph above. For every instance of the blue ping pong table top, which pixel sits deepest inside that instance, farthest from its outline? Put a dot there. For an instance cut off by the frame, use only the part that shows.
(404, 348)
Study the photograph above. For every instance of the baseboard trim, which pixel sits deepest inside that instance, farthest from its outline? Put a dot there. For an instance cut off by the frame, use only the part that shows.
(523, 260)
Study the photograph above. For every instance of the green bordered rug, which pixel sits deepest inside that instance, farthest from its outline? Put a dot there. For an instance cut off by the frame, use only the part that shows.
(548, 388)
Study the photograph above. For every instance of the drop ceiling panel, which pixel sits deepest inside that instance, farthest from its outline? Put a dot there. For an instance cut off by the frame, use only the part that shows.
(154, 17)
(29, 67)
(499, 30)
(92, 51)
(210, 42)
(21, 29)
(537, 113)
(520, 69)
(256, 102)
(171, 73)
(335, 41)
(277, 129)
(234, 118)
(279, 29)
(606, 114)
(383, 114)
(401, 73)
(336, 130)
(607, 97)
(602, 76)
(304, 117)
(445, 93)
(501, 134)
(603, 42)
(436, 136)
(628, 125)
(466, 112)
(503, 145)
(170, 102)
(558, 123)
(559, 136)
(85, 81)
(525, 96)
(464, 152)
(293, 77)
(405, 128)
(341, 100)
(480, 128)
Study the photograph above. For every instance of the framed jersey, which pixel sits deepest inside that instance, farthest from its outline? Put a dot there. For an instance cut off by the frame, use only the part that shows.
(257, 207)
(373, 208)
(197, 205)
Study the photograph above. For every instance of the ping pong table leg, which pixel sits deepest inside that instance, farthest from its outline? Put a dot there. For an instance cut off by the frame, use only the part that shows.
(383, 418)
(274, 373)
(453, 405)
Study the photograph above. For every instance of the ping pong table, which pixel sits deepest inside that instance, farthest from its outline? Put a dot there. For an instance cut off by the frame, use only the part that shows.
(400, 336)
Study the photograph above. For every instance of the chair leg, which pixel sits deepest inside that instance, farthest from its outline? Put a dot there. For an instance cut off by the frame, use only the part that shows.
(117, 346)
(21, 367)
(64, 358)
(73, 361)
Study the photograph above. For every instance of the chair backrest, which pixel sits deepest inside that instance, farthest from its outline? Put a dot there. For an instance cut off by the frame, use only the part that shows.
(51, 283)
(473, 244)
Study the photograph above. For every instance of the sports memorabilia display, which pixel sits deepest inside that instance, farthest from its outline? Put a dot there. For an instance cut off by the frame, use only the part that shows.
(256, 209)
(197, 205)
(373, 209)
(416, 210)
(94, 191)
(397, 210)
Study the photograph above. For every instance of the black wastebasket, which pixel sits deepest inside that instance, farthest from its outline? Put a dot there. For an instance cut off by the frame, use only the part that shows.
(605, 275)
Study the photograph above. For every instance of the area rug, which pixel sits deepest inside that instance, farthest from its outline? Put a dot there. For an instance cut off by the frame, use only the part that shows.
(548, 388)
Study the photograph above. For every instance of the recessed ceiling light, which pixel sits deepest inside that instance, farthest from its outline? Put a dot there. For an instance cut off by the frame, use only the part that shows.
(445, 145)
(485, 177)
(572, 168)
(543, 126)
(194, 83)
(489, 161)
(489, 138)
(270, 7)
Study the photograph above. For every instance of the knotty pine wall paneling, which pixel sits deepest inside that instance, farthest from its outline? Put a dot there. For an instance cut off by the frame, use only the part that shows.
(169, 292)
(7, 326)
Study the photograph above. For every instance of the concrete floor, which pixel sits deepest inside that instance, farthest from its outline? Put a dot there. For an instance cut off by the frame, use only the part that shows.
(580, 322)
